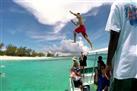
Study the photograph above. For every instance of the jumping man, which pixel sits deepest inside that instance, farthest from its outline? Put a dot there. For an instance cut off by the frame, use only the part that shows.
(80, 28)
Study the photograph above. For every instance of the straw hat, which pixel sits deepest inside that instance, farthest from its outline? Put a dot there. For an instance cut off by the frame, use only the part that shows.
(74, 58)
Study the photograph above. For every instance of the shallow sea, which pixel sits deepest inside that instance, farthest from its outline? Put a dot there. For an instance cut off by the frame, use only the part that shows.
(38, 75)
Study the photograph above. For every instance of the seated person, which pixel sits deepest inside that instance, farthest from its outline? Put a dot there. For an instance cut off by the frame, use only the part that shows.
(75, 73)
(75, 63)
(76, 77)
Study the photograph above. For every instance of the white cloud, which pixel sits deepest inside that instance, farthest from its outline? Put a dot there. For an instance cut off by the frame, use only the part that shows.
(56, 12)
(58, 27)
(45, 36)
(67, 46)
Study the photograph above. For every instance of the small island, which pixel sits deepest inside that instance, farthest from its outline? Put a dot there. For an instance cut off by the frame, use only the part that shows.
(12, 52)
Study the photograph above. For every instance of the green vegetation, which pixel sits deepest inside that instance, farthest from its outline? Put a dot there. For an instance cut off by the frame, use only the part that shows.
(12, 50)
(50, 54)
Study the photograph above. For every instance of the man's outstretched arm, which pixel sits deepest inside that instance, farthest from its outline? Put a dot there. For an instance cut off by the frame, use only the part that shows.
(74, 23)
(73, 13)
(113, 42)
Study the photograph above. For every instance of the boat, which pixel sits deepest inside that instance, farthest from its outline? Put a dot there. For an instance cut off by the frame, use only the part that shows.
(88, 72)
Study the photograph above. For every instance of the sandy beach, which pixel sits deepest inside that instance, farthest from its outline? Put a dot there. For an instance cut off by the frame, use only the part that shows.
(22, 58)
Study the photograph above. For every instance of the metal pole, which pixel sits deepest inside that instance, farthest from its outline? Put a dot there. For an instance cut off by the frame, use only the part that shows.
(94, 67)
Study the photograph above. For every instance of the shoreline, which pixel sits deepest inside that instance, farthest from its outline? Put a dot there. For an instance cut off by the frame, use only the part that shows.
(12, 58)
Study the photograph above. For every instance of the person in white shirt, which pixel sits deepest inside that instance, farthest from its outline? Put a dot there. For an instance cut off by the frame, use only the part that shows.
(122, 49)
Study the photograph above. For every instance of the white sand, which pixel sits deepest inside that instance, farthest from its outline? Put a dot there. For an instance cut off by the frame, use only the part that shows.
(22, 58)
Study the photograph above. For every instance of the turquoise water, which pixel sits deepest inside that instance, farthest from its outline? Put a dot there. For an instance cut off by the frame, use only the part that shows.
(39, 75)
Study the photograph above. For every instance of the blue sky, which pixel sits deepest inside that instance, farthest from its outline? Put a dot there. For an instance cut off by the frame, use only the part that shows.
(25, 24)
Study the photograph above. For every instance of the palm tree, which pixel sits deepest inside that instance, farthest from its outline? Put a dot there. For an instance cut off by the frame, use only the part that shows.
(11, 50)
(21, 51)
(34, 54)
(40, 54)
(1, 45)
(28, 52)
(1, 51)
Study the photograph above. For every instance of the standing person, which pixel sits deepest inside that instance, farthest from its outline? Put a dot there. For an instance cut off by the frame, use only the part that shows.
(122, 50)
(83, 61)
(100, 78)
(100, 63)
(103, 81)
(80, 28)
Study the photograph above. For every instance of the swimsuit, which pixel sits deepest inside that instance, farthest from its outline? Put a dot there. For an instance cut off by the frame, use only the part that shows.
(81, 29)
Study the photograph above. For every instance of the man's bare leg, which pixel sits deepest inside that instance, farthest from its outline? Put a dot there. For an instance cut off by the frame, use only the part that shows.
(87, 38)
(74, 36)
